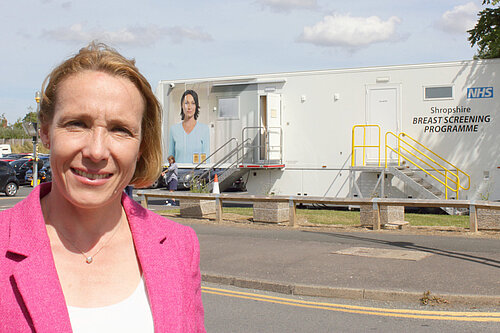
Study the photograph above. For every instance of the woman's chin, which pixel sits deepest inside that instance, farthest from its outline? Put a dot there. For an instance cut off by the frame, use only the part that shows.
(95, 200)
(89, 197)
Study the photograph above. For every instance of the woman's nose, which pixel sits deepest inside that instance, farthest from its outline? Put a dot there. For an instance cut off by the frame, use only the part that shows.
(98, 145)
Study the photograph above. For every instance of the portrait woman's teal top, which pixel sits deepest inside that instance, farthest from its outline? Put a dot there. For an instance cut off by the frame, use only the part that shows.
(183, 146)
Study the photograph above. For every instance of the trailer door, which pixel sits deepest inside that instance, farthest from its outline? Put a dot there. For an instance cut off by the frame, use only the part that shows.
(270, 123)
(273, 126)
(383, 109)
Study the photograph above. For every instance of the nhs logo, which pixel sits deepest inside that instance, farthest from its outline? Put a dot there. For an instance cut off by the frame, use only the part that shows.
(480, 92)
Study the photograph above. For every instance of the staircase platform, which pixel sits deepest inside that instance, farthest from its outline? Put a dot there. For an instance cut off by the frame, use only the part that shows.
(261, 166)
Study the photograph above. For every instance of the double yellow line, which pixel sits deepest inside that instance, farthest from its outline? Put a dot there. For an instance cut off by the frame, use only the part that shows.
(7, 198)
(399, 313)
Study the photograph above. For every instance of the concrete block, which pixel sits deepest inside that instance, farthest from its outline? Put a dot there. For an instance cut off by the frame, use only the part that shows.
(271, 212)
(196, 207)
(488, 218)
(367, 215)
(388, 214)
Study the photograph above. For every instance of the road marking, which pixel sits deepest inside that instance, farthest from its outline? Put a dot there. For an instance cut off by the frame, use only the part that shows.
(7, 198)
(400, 313)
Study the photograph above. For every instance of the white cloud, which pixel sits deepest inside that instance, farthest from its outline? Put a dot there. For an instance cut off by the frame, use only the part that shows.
(135, 36)
(178, 34)
(351, 32)
(288, 5)
(459, 19)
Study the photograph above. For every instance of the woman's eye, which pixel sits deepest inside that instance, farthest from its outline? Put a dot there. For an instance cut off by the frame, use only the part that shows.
(122, 130)
(75, 123)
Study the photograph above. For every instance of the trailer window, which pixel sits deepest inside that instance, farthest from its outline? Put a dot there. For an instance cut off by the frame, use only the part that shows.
(440, 92)
(229, 108)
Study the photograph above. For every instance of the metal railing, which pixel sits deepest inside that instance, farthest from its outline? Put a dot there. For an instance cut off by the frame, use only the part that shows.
(239, 151)
(426, 160)
(207, 173)
(216, 151)
(364, 145)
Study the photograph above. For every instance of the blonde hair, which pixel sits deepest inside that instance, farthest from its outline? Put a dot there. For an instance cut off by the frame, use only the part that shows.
(101, 58)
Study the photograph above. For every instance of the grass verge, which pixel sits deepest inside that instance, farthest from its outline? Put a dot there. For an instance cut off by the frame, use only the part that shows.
(351, 218)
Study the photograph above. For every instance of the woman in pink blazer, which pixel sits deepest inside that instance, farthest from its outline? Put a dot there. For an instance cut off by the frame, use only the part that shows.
(78, 254)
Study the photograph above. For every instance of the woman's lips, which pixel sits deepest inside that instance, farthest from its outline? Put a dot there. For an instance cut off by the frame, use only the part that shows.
(91, 176)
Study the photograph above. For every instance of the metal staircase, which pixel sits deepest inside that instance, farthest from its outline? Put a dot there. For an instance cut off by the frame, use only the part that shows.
(226, 168)
(424, 188)
(238, 161)
(424, 173)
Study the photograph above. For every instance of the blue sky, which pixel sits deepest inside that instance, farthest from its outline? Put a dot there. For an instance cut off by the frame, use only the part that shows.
(207, 38)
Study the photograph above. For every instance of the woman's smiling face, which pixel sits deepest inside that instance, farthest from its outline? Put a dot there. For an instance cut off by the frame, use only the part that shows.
(188, 106)
(94, 137)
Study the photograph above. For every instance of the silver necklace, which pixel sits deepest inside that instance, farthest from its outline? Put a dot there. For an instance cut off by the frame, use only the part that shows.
(90, 259)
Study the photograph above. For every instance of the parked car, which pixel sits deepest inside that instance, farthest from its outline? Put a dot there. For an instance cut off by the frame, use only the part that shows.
(44, 173)
(21, 166)
(13, 157)
(160, 182)
(17, 164)
(185, 179)
(8, 180)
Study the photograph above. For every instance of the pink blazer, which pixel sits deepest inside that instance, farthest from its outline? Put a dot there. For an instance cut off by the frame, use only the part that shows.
(31, 297)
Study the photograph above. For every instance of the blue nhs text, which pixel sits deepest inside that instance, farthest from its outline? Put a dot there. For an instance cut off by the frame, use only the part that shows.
(480, 92)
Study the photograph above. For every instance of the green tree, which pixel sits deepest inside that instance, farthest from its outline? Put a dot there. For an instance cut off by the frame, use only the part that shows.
(16, 130)
(486, 33)
(31, 117)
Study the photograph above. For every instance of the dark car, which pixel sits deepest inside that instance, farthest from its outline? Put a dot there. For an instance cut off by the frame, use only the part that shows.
(12, 157)
(44, 173)
(8, 179)
(17, 164)
(187, 178)
(160, 182)
(183, 175)
(21, 166)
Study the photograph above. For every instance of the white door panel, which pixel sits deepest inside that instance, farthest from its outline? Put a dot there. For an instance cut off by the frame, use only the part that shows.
(383, 109)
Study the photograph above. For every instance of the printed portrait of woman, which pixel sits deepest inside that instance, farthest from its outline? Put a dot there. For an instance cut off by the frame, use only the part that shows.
(189, 140)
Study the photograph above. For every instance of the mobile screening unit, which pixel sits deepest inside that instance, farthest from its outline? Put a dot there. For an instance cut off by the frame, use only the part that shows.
(421, 131)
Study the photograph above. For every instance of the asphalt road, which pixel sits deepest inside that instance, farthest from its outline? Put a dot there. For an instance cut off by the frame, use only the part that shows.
(7, 202)
(230, 309)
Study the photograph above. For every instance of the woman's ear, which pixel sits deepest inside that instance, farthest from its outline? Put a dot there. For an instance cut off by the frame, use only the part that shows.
(44, 133)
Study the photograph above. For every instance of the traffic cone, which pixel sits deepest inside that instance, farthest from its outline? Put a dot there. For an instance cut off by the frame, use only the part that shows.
(216, 185)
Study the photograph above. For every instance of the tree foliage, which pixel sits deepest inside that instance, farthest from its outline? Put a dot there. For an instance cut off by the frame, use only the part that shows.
(30, 117)
(16, 131)
(486, 33)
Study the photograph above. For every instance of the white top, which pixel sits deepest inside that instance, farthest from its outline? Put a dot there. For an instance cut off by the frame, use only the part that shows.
(133, 314)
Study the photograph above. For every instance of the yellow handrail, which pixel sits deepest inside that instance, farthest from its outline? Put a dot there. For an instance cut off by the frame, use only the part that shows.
(364, 145)
(437, 163)
(458, 170)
